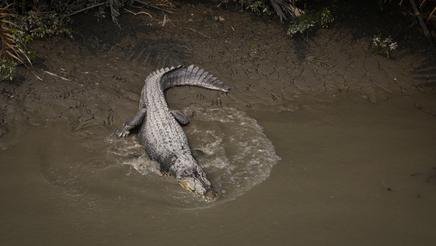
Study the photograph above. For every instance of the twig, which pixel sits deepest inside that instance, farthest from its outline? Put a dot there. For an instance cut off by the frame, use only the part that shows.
(383, 88)
(153, 6)
(431, 14)
(164, 21)
(36, 75)
(55, 75)
(420, 20)
(201, 34)
(138, 13)
(422, 4)
(87, 8)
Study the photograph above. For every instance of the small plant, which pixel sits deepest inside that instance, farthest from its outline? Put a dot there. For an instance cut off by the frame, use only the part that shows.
(383, 45)
(301, 25)
(284, 9)
(44, 26)
(7, 69)
(259, 7)
(325, 18)
(305, 22)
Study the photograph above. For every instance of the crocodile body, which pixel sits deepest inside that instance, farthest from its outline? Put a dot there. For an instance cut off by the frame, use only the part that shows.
(160, 128)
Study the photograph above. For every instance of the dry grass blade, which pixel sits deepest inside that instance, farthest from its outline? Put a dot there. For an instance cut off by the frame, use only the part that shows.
(161, 5)
(428, 7)
(422, 3)
(138, 13)
(13, 56)
(10, 46)
(433, 12)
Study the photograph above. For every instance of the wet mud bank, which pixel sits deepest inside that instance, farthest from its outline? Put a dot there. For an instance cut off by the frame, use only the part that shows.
(96, 78)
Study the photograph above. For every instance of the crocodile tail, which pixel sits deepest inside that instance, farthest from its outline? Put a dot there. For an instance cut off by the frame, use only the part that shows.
(191, 75)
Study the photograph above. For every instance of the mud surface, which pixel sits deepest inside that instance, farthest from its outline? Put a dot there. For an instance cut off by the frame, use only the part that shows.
(319, 142)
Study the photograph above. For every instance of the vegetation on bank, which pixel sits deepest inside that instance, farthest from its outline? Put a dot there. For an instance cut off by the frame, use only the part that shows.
(17, 31)
(314, 19)
(22, 21)
(383, 45)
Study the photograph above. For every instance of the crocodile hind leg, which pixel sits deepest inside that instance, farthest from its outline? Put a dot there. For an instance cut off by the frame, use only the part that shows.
(180, 117)
(131, 124)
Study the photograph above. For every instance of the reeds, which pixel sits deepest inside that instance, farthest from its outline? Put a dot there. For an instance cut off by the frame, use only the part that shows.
(11, 47)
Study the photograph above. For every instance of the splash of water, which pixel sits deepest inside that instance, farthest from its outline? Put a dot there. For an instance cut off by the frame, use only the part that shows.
(228, 144)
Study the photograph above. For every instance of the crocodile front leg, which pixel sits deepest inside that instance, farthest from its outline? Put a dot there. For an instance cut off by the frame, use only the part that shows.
(131, 124)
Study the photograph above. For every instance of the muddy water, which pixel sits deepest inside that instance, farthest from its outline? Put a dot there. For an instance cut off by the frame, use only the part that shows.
(340, 173)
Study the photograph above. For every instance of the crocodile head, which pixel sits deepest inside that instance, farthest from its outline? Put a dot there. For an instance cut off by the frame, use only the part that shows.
(196, 182)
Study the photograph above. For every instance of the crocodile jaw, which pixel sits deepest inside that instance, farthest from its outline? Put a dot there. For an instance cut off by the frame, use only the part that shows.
(200, 187)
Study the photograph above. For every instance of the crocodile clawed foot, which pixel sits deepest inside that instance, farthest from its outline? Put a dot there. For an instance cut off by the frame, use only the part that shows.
(122, 133)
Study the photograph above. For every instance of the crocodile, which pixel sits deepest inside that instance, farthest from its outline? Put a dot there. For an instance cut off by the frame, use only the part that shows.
(160, 129)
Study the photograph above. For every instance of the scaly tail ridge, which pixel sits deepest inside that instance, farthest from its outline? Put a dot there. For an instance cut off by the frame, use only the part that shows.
(191, 75)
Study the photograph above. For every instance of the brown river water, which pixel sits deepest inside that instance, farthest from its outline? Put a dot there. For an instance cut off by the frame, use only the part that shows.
(343, 173)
